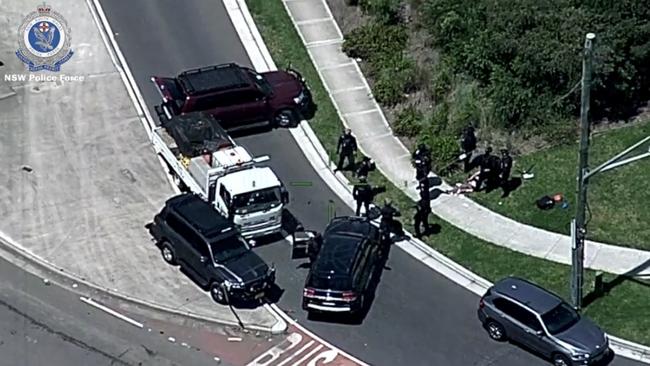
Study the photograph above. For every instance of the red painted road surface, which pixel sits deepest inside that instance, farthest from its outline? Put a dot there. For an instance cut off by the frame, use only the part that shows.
(233, 347)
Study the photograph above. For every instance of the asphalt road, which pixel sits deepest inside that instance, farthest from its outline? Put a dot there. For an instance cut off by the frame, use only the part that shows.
(48, 325)
(418, 316)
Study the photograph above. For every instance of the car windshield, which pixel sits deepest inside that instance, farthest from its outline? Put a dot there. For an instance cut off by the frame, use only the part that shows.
(228, 248)
(561, 318)
(262, 199)
(261, 82)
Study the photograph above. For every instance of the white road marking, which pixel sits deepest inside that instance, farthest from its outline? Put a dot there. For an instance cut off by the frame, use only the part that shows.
(110, 311)
(272, 354)
(307, 356)
(301, 350)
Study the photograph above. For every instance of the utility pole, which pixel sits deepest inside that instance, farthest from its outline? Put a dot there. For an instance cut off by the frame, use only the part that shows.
(578, 231)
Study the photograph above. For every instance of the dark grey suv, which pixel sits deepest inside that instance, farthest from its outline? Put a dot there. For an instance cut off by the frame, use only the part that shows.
(517, 310)
(192, 234)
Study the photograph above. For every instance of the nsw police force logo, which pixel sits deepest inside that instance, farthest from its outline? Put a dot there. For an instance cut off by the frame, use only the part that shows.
(44, 40)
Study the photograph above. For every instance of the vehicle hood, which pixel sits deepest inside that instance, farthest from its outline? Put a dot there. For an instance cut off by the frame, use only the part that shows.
(584, 335)
(249, 267)
(284, 84)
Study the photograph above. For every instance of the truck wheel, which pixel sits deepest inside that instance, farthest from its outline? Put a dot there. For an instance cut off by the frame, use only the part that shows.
(168, 253)
(496, 331)
(560, 360)
(286, 118)
(218, 294)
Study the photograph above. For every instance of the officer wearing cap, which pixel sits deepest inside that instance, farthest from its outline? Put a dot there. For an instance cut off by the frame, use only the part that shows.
(506, 167)
(421, 217)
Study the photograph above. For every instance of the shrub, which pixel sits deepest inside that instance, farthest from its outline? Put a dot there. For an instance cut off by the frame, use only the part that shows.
(375, 41)
(385, 11)
(387, 90)
(394, 78)
(409, 122)
(444, 151)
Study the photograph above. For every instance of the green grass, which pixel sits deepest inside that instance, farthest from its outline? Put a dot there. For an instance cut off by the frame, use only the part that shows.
(624, 312)
(618, 198)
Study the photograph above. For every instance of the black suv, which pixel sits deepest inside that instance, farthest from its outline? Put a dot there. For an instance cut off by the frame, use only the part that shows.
(342, 271)
(190, 233)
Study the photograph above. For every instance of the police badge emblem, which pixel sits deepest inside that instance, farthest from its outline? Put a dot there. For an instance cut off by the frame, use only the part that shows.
(44, 40)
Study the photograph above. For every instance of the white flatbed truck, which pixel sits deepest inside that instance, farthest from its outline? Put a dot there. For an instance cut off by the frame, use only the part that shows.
(203, 159)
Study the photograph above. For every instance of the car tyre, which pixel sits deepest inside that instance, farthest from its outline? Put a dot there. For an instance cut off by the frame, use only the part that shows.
(496, 331)
(286, 118)
(218, 293)
(561, 360)
(168, 253)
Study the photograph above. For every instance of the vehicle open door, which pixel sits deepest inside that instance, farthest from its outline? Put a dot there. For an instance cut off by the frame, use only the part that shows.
(301, 243)
(170, 93)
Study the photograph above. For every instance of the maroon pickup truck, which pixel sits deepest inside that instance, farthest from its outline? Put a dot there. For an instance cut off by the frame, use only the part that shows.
(237, 96)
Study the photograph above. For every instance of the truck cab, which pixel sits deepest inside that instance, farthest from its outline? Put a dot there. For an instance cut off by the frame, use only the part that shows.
(254, 199)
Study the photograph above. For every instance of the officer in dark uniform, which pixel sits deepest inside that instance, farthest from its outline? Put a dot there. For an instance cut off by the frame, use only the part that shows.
(506, 167)
(468, 145)
(365, 167)
(483, 162)
(314, 247)
(362, 193)
(494, 175)
(346, 148)
(422, 161)
(421, 217)
(388, 224)
(425, 189)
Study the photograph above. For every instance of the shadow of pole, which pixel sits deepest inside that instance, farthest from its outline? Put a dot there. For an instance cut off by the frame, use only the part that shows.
(603, 288)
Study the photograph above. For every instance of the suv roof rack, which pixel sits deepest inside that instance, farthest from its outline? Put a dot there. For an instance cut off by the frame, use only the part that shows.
(200, 214)
(212, 78)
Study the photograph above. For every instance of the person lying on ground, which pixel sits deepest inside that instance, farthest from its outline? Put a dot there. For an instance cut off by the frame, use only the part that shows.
(468, 186)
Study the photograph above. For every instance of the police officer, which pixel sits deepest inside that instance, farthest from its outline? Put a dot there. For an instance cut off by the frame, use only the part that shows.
(483, 162)
(422, 161)
(425, 189)
(387, 224)
(468, 145)
(506, 167)
(314, 247)
(421, 217)
(365, 167)
(362, 193)
(346, 148)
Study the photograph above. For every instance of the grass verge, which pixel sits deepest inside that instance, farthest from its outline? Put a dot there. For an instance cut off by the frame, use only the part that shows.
(618, 198)
(623, 312)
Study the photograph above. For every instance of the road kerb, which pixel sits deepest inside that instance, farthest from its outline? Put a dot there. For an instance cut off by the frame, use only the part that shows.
(15, 253)
(433, 259)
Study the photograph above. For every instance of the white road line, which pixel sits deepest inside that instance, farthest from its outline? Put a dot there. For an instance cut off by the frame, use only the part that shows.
(314, 336)
(127, 78)
(112, 312)
(293, 355)
(311, 353)
(345, 90)
(367, 111)
(337, 66)
(314, 21)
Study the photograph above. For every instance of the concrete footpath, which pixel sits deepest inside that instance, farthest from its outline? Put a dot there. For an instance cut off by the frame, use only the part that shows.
(359, 111)
(80, 179)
